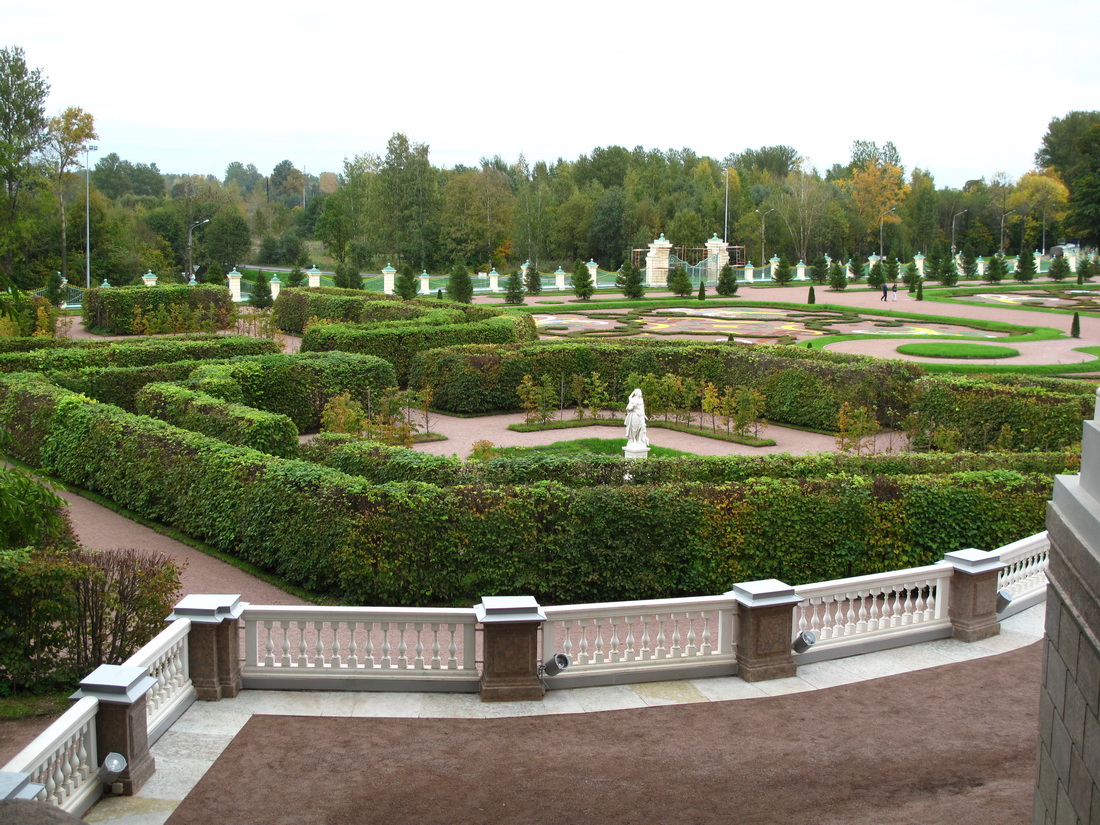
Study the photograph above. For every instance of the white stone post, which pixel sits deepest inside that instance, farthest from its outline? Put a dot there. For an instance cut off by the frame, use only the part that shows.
(388, 273)
(593, 272)
(773, 265)
(149, 279)
(1039, 262)
(425, 286)
(1071, 257)
(800, 270)
(234, 285)
(852, 269)
(748, 272)
(314, 276)
(494, 280)
(718, 256)
(559, 279)
(981, 266)
(919, 259)
(656, 262)
(275, 285)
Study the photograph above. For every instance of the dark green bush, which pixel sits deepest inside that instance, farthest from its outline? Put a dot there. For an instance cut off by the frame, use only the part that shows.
(135, 353)
(113, 311)
(232, 423)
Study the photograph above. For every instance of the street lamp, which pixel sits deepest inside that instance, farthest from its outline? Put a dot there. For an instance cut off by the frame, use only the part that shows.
(1003, 216)
(726, 225)
(882, 218)
(953, 229)
(190, 268)
(88, 219)
(762, 216)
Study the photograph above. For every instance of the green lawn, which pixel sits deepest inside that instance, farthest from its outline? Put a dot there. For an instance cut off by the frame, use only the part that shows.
(956, 349)
(597, 446)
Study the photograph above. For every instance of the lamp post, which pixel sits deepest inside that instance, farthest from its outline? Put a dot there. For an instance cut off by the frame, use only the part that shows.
(762, 216)
(882, 218)
(1003, 216)
(190, 268)
(88, 218)
(953, 217)
(726, 225)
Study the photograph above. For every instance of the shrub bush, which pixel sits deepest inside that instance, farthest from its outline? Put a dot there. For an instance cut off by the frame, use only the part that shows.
(232, 423)
(113, 311)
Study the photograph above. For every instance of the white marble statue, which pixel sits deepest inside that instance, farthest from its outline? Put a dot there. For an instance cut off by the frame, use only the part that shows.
(635, 420)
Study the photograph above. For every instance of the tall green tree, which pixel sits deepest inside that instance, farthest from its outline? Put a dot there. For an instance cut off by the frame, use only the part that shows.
(532, 281)
(876, 276)
(678, 282)
(583, 287)
(227, 239)
(969, 264)
(513, 290)
(406, 284)
(1062, 148)
(1025, 268)
(782, 274)
(66, 136)
(727, 281)
(261, 292)
(1059, 268)
(996, 270)
(23, 94)
(838, 278)
(460, 286)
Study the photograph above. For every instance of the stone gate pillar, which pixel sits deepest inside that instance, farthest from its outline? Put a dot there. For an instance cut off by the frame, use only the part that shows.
(718, 255)
(656, 262)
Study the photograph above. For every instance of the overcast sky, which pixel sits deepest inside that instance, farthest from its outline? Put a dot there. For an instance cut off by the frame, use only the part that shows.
(964, 88)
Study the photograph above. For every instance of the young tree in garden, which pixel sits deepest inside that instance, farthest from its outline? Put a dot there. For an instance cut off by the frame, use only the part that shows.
(838, 277)
(514, 291)
(1086, 269)
(811, 298)
(912, 275)
(727, 281)
(819, 270)
(532, 281)
(1059, 268)
(629, 280)
(920, 290)
(948, 273)
(460, 286)
(891, 271)
(66, 135)
(406, 284)
(1075, 326)
(1025, 268)
(702, 296)
(782, 274)
(215, 274)
(582, 281)
(678, 282)
(875, 276)
(996, 269)
(969, 264)
(55, 293)
(261, 293)
(346, 276)
(856, 265)
(295, 278)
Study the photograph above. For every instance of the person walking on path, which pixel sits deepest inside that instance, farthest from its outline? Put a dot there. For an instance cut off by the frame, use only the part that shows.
(884, 291)
(894, 289)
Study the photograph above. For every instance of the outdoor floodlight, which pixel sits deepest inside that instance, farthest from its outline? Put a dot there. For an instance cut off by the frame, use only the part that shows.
(555, 664)
(804, 641)
(1004, 599)
(113, 766)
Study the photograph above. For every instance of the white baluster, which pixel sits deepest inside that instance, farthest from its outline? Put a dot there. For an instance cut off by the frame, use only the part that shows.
(691, 649)
(582, 656)
(675, 650)
(368, 660)
(436, 663)
(614, 655)
(269, 647)
(418, 662)
(302, 660)
(661, 651)
(452, 648)
(598, 656)
(386, 643)
(906, 606)
(708, 618)
(353, 646)
(336, 661)
(402, 646)
(631, 653)
(861, 616)
(646, 652)
(567, 638)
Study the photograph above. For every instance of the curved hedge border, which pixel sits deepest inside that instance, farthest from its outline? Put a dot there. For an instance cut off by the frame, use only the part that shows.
(414, 543)
(112, 310)
(802, 387)
(232, 423)
(381, 464)
(135, 353)
(399, 342)
(294, 308)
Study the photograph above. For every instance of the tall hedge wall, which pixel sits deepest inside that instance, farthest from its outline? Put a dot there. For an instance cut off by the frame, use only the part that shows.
(802, 387)
(399, 342)
(232, 423)
(294, 307)
(380, 463)
(112, 310)
(135, 353)
(415, 543)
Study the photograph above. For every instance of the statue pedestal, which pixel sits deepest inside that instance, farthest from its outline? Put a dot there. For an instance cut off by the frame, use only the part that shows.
(634, 450)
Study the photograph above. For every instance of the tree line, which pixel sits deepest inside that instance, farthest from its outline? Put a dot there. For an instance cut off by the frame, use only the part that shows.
(398, 207)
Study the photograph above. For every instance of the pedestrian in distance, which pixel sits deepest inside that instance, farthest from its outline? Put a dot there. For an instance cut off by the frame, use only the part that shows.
(885, 290)
(894, 289)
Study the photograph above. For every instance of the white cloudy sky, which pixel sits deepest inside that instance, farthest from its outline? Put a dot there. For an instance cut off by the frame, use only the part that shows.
(964, 88)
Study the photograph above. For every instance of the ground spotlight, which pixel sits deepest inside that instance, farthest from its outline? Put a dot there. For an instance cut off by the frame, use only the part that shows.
(804, 641)
(555, 664)
(1004, 599)
(113, 766)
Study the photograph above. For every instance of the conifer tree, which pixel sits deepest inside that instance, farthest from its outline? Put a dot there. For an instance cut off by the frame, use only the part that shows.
(1075, 326)
(838, 278)
(405, 285)
(912, 275)
(532, 281)
(582, 281)
(875, 275)
(996, 269)
(261, 293)
(1025, 268)
(1059, 269)
(819, 270)
(702, 296)
(514, 291)
(629, 280)
(678, 282)
(460, 286)
(969, 265)
(782, 271)
(811, 298)
(727, 281)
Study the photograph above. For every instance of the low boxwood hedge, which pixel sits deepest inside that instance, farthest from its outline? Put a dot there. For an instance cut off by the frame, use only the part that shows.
(295, 307)
(232, 423)
(135, 353)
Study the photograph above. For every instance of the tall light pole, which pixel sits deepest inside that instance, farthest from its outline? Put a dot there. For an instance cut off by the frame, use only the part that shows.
(726, 225)
(1003, 216)
(88, 218)
(953, 217)
(882, 218)
(190, 268)
(762, 216)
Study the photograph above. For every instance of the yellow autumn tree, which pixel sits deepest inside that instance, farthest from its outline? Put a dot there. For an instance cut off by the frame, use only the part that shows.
(876, 187)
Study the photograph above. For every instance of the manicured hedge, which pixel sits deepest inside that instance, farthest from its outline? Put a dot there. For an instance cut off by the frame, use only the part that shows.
(232, 423)
(801, 386)
(381, 463)
(135, 353)
(21, 312)
(1035, 418)
(113, 310)
(295, 307)
(399, 342)
(414, 543)
(120, 385)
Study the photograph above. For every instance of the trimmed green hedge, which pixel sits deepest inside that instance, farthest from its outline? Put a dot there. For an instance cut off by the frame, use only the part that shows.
(112, 310)
(414, 543)
(802, 387)
(232, 423)
(399, 342)
(381, 464)
(21, 309)
(135, 353)
(294, 307)
(1036, 418)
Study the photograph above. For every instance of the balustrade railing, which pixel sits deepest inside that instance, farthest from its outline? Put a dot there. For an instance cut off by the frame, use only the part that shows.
(64, 759)
(674, 635)
(166, 659)
(1025, 577)
(876, 611)
(292, 646)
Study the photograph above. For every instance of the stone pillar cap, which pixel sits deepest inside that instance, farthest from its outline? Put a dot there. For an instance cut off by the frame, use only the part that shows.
(207, 608)
(495, 609)
(118, 684)
(972, 560)
(764, 593)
